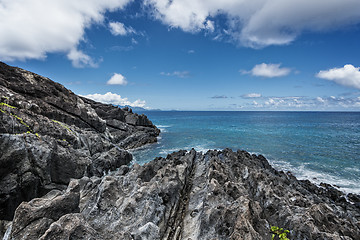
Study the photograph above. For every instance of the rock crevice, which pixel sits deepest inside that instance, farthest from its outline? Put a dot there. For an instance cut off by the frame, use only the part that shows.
(190, 195)
(49, 135)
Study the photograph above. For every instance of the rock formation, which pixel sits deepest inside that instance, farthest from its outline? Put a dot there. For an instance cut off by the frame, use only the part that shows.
(190, 195)
(49, 135)
(64, 168)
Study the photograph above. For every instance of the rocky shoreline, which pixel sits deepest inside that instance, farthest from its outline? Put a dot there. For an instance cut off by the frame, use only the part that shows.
(64, 174)
(191, 195)
(49, 135)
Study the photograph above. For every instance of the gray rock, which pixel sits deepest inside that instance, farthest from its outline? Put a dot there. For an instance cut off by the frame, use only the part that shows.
(217, 195)
(33, 218)
(5, 229)
(70, 226)
(49, 135)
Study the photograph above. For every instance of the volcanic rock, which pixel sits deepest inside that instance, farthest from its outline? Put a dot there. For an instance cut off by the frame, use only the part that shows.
(191, 195)
(49, 135)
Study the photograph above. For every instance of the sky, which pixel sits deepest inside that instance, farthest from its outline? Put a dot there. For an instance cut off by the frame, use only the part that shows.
(235, 55)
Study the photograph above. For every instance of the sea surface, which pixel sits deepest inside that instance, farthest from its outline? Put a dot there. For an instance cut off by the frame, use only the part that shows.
(319, 146)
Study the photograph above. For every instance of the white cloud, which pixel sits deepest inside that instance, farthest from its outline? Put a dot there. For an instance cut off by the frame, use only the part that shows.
(115, 99)
(268, 70)
(209, 25)
(180, 74)
(133, 41)
(259, 23)
(118, 28)
(306, 103)
(348, 75)
(292, 102)
(117, 79)
(30, 29)
(320, 99)
(251, 95)
(80, 59)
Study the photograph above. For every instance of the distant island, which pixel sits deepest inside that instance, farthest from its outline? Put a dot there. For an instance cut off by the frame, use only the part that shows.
(138, 109)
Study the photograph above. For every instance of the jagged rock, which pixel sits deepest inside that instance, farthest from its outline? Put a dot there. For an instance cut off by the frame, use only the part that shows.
(33, 218)
(217, 195)
(4, 228)
(71, 226)
(49, 135)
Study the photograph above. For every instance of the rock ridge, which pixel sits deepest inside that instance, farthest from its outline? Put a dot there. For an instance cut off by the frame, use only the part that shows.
(49, 135)
(193, 195)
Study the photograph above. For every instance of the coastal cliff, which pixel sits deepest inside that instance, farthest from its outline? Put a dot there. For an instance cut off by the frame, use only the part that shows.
(65, 174)
(49, 135)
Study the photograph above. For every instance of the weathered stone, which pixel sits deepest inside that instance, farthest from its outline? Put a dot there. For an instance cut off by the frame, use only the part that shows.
(33, 218)
(49, 135)
(217, 195)
(71, 226)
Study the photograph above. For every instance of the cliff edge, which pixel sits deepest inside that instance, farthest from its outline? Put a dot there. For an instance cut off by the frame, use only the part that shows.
(49, 135)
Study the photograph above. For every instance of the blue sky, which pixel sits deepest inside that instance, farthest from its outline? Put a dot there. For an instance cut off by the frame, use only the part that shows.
(192, 55)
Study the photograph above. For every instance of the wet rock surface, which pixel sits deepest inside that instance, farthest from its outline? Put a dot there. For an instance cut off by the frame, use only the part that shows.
(191, 195)
(49, 135)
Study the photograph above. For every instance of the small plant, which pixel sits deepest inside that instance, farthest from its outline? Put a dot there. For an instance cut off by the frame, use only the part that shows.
(279, 233)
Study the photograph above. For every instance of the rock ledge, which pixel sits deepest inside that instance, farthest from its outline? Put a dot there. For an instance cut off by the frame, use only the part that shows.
(49, 135)
(190, 195)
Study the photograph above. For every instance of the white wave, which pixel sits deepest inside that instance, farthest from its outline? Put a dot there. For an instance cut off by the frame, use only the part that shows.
(163, 126)
(354, 170)
(303, 173)
(170, 150)
(203, 148)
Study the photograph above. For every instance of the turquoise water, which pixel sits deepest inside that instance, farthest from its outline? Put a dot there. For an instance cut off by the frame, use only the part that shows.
(319, 146)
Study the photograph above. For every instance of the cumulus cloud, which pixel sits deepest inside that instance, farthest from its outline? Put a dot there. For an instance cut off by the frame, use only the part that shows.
(115, 99)
(80, 59)
(117, 79)
(268, 70)
(348, 75)
(259, 23)
(251, 95)
(307, 103)
(180, 74)
(30, 29)
(320, 99)
(118, 28)
(209, 25)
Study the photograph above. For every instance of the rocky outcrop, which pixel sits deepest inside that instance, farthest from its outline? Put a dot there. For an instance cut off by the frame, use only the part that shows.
(49, 135)
(190, 195)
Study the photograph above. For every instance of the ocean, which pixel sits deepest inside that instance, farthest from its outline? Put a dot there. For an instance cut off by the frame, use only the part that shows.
(319, 146)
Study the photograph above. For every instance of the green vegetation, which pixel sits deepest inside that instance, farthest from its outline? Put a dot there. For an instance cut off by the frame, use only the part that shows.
(279, 233)
(64, 126)
(6, 105)
(19, 119)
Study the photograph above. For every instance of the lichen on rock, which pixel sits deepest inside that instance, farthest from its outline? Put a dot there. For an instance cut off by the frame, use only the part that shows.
(49, 135)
